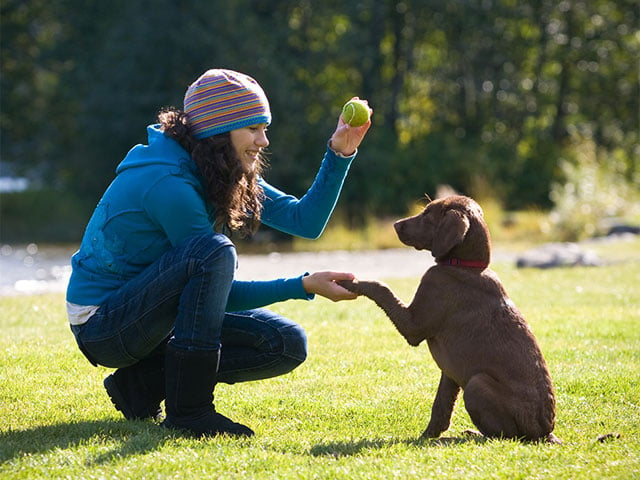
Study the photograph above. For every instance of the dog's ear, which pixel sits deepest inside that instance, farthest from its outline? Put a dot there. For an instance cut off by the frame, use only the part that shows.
(450, 232)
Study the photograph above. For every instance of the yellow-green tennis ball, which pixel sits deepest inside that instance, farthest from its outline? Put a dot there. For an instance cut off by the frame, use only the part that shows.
(355, 113)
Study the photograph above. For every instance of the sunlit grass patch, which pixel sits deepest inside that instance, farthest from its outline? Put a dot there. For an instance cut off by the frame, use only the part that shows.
(354, 409)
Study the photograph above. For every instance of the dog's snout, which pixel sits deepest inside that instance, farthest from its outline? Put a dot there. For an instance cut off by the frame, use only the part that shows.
(403, 231)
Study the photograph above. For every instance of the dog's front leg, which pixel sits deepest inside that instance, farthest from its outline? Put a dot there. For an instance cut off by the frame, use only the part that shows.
(442, 408)
(395, 309)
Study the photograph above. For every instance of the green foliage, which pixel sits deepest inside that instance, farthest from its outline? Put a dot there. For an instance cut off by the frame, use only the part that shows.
(354, 409)
(461, 90)
(596, 193)
(45, 215)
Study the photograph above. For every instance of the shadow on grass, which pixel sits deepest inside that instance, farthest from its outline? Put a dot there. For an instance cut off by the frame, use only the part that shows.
(353, 447)
(117, 439)
(113, 440)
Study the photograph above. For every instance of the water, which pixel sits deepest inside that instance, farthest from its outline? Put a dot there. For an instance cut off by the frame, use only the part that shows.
(32, 268)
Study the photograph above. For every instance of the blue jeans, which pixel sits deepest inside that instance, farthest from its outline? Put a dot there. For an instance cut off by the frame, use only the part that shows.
(181, 298)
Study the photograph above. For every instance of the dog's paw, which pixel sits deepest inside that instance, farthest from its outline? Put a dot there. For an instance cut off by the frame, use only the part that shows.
(351, 285)
(552, 439)
(431, 433)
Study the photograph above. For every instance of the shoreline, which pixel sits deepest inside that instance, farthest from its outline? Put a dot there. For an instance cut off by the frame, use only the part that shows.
(33, 269)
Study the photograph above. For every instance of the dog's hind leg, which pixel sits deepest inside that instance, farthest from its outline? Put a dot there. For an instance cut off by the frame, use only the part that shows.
(442, 407)
(488, 406)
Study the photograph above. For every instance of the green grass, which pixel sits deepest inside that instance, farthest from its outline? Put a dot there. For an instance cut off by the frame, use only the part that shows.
(354, 410)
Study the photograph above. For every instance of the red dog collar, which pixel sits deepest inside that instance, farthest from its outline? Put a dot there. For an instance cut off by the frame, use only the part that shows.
(456, 262)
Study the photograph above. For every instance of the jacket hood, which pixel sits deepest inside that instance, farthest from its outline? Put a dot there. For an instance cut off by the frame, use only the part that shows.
(161, 150)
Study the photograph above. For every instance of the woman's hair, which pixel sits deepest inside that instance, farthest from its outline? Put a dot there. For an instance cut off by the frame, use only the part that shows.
(233, 191)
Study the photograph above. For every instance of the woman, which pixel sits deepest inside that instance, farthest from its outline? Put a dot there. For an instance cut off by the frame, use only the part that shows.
(152, 291)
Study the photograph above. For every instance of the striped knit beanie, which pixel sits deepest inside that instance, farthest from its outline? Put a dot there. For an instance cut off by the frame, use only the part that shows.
(223, 100)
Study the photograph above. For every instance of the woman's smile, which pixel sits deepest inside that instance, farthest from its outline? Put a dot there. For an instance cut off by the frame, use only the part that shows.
(249, 142)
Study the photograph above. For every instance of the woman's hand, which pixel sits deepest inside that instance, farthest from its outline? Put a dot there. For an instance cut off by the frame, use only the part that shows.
(346, 139)
(324, 284)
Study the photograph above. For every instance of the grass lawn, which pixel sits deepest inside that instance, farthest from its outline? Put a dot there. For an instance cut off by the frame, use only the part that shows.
(354, 410)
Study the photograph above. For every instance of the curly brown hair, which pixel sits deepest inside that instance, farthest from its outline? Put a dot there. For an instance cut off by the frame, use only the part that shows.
(232, 190)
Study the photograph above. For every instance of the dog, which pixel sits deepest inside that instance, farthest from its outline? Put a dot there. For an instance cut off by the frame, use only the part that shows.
(478, 338)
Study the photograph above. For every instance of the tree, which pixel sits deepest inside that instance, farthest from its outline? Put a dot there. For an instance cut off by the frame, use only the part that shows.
(467, 93)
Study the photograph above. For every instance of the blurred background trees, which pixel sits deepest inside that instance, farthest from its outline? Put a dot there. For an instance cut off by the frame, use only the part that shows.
(493, 97)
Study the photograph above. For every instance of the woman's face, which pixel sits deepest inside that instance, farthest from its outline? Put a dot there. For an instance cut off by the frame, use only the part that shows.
(248, 142)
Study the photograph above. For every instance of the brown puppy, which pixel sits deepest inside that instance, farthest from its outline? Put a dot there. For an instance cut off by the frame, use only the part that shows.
(477, 336)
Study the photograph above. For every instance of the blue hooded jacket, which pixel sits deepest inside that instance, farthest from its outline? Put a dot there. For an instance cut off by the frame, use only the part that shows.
(157, 200)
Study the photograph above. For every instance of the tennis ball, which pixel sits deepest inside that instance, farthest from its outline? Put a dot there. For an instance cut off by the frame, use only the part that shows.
(355, 113)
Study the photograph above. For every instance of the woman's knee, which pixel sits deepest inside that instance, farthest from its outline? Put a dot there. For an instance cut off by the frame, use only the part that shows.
(294, 340)
(260, 344)
(293, 351)
(213, 251)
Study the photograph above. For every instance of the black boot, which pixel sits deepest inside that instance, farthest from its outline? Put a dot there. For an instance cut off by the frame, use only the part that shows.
(138, 390)
(190, 381)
